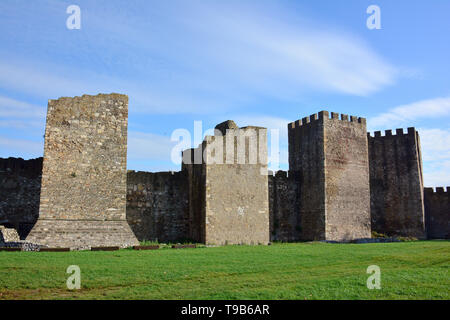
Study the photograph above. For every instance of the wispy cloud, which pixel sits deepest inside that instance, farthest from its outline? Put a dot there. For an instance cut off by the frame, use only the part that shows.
(201, 57)
(408, 113)
(19, 109)
(435, 144)
(437, 174)
(436, 156)
(21, 115)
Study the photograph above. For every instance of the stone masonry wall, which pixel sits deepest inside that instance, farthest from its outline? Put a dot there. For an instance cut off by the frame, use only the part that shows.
(285, 224)
(20, 186)
(83, 189)
(306, 161)
(196, 180)
(157, 205)
(324, 195)
(396, 183)
(346, 178)
(233, 173)
(437, 213)
(328, 158)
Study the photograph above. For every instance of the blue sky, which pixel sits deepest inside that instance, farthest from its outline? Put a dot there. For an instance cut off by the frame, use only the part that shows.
(257, 62)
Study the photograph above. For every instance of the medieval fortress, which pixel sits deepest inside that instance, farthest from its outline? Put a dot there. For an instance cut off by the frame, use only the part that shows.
(343, 183)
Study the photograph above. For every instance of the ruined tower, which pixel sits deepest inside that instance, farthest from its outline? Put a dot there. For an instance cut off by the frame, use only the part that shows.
(228, 186)
(396, 183)
(328, 158)
(83, 191)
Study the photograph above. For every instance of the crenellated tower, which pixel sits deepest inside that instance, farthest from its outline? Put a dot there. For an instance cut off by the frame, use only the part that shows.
(396, 183)
(328, 158)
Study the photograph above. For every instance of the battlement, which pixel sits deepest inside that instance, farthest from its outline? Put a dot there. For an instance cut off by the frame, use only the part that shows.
(411, 131)
(87, 96)
(322, 115)
(439, 190)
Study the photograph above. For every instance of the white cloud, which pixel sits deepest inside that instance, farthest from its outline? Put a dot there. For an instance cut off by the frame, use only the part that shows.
(435, 145)
(21, 115)
(437, 175)
(26, 125)
(406, 114)
(244, 54)
(19, 109)
(30, 78)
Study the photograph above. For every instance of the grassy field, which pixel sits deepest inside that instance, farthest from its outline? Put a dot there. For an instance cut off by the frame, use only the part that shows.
(409, 270)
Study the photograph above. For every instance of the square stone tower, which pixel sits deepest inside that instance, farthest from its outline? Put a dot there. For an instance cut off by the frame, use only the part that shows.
(83, 191)
(396, 183)
(228, 186)
(329, 159)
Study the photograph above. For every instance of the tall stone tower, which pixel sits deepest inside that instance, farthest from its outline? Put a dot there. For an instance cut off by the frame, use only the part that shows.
(228, 186)
(83, 191)
(396, 183)
(329, 160)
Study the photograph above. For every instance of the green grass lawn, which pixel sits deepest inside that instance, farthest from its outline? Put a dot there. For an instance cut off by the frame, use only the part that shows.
(409, 270)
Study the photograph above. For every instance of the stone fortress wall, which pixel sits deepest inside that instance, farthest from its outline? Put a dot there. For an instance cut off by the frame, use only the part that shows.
(157, 205)
(20, 188)
(284, 199)
(342, 184)
(396, 183)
